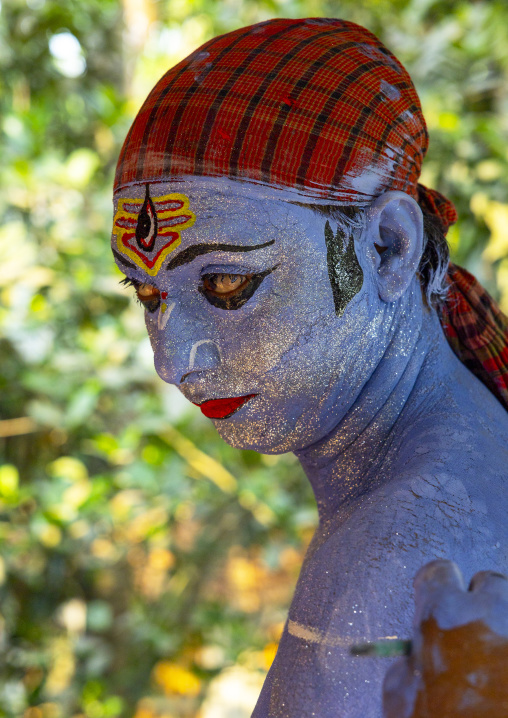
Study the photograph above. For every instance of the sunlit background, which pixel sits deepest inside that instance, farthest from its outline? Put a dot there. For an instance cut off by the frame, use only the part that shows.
(146, 567)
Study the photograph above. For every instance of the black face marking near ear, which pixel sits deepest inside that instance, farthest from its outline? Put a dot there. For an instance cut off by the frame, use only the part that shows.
(146, 228)
(238, 300)
(122, 259)
(344, 270)
(192, 252)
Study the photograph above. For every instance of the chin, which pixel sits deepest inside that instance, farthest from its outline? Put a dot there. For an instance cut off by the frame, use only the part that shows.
(274, 434)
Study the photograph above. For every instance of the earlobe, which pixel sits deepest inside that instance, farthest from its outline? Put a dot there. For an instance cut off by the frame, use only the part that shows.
(395, 238)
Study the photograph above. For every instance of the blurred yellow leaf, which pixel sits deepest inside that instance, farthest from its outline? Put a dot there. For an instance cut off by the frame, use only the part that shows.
(77, 494)
(123, 503)
(448, 121)
(104, 549)
(211, 469)
(50, 535)
(68, 467)
(489, 170)
(9, 479)
(453, 238)
(209, 657)
(80, 167)
(261, 511)
(496, 218)
(145, 522)
(502, 281)
(269, 652)
(152, 454)
(161, 559)
(72, 615)
(34, 712)
(44, 710)
(62, 666)
(145, 713)
(247, 578)
(173, 678)
(200, 462)
(39, 305)
(290, 559)
(16, 256)
(147, 708)
(479, 203)
(79, 529)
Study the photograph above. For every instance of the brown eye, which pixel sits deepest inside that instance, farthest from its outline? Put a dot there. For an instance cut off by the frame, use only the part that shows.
(146, 292)
(225, 285)
(149, 296)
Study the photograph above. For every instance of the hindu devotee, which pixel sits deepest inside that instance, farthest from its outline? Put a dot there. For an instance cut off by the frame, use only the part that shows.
(297, 288)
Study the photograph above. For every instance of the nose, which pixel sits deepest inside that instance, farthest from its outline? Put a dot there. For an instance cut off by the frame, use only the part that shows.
(181, 347)
(204, 354)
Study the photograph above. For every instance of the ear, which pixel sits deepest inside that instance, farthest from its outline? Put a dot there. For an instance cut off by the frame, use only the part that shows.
(395, 242)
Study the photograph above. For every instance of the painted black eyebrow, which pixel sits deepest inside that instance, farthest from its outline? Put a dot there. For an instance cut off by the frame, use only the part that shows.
(121, 259)
(192, 252)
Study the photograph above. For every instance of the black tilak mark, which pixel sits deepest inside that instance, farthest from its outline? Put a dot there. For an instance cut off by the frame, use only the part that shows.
(122, 259)
(344, 270)
(146, 228)
(192, 252)
(239, 299)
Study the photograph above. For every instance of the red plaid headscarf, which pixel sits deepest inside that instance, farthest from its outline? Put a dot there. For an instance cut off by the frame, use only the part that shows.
(310, 104)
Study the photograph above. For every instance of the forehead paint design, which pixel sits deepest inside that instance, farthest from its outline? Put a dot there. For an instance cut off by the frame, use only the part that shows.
(344, 270)
(148, 231)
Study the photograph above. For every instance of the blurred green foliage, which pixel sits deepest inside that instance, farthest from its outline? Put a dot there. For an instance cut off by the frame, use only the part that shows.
(143, 561)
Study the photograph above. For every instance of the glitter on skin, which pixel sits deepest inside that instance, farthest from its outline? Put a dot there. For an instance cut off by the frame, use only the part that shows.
(164, 314)
(405, 449)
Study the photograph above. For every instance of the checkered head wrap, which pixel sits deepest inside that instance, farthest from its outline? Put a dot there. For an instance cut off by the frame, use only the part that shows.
(319, 105)
(308, 104)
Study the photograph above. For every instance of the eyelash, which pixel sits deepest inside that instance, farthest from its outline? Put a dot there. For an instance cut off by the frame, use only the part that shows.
(150, 305)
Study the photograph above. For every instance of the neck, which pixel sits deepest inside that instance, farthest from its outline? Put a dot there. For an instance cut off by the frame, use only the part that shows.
(347, 463)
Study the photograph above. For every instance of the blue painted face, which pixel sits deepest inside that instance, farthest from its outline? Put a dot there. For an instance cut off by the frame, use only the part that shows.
(257, 301)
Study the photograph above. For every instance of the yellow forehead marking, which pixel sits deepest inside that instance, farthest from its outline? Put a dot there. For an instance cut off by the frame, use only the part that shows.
(173, 216)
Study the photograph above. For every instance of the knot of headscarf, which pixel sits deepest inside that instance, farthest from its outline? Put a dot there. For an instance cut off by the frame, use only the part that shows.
(317, 105)
(434, 203)
(477, 331)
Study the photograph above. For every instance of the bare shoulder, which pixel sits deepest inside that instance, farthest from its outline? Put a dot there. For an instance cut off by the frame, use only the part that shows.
(452, 468)
(443, 494)
(445, 488)
(356, 583)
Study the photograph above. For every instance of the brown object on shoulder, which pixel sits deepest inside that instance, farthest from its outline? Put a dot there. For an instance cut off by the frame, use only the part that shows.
(463, 672)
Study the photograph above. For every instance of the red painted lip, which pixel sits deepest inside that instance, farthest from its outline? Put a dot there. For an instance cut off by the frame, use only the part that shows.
(223, 408)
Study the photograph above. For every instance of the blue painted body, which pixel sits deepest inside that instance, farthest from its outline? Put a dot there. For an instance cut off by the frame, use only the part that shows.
(405, 449)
